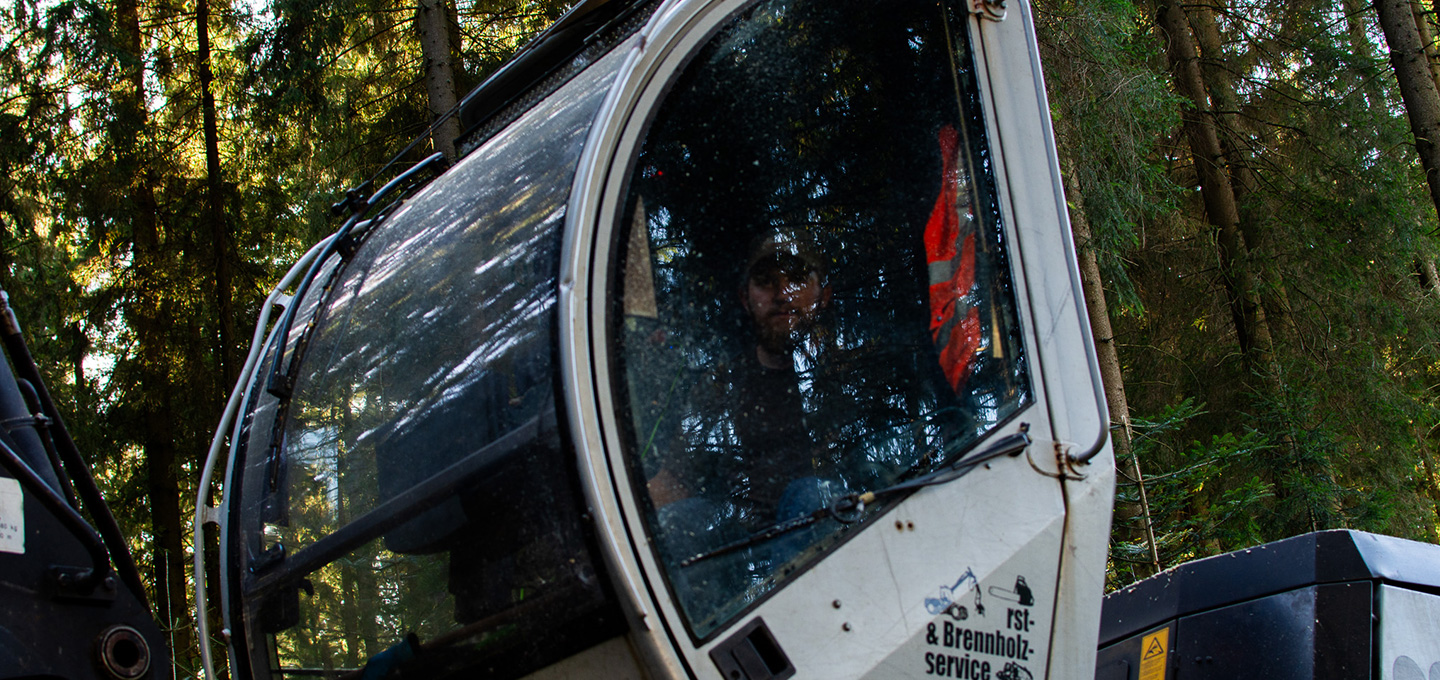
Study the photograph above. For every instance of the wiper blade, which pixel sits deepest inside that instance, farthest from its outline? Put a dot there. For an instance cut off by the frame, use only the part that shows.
(850, 508)
(358, 201)
(1009, 445)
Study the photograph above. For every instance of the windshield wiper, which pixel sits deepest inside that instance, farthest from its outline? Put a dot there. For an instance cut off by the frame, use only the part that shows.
(849, 508)
(358, 202)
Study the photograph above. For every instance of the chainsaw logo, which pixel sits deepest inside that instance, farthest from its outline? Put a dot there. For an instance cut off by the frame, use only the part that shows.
(1014, 671)
(1020, 594)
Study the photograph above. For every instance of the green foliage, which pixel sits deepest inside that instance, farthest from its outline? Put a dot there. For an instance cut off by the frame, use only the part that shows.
(1210, 497)
(1331, 426)
(1111, 110)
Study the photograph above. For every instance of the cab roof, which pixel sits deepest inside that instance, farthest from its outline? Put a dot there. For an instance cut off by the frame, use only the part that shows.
(589, 23)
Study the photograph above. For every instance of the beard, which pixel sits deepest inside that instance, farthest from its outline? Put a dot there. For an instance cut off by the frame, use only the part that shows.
(782, 335)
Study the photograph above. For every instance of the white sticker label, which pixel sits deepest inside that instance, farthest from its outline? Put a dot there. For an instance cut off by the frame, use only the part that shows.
(12, 516)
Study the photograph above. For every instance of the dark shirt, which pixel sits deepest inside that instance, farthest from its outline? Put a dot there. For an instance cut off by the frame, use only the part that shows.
(775, 440)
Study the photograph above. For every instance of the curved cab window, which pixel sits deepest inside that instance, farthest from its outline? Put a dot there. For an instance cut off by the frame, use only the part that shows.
(421, 503)
(816, 299)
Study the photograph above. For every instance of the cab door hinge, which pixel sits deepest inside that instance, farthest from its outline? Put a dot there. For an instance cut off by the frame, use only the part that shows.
(993, 10)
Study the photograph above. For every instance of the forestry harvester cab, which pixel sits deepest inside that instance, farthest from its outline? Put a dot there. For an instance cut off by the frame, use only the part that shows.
(742, 339)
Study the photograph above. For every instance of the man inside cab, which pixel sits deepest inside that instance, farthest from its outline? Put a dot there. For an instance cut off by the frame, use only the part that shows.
(758, 457)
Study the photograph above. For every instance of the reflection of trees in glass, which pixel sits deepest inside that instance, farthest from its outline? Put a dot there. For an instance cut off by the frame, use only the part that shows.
(829, 127)
(431, 354)
(392, 396)
(824, 118)
(364, 602)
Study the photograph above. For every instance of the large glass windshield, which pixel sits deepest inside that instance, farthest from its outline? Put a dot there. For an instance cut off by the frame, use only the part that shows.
(419, 513)
(815, 293)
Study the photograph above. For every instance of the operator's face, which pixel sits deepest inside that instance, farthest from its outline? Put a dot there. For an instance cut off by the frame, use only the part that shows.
(784, 303)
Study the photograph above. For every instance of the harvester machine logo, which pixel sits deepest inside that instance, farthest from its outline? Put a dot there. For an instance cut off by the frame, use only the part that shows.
(948, 601)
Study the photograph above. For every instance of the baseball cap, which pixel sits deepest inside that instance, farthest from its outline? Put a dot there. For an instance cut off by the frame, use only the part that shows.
(791, 251)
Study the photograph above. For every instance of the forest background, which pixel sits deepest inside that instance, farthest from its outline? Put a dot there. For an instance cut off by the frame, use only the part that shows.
(1252, 186)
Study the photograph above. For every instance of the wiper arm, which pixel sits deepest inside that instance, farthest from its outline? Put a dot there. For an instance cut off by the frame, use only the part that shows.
(849, 508)
(1009, 445)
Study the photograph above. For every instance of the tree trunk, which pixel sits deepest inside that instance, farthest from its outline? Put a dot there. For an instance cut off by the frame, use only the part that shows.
(1225, 105)
(222, 259)
(163, 491)
(1425, 266)
(220, 238)
(1427, 38)
(1235, 146)
(1099, 313)
(146, 316)
(1432, 484)
(1216, 189)
(1417, 85)
(433, 25)
(1428, 275)
(1355, 29)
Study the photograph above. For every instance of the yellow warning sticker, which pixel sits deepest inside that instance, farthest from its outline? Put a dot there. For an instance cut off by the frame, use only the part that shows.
(1155, 647)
